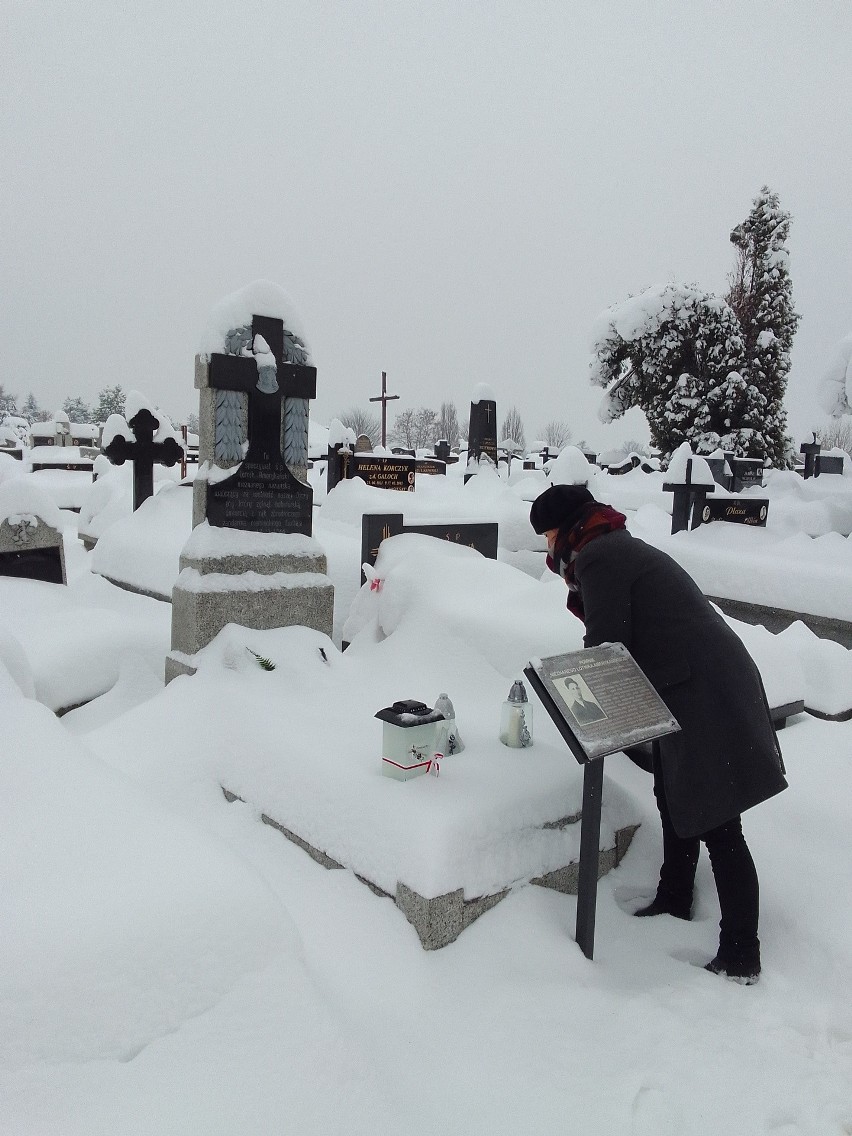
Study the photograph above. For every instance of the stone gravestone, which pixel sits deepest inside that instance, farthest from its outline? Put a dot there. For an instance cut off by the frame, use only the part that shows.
(363, 445)
(745, 473)
(141, 449)
(395, 472)
(30, 538)
(751, 511)
(251, 558)
(482, 434)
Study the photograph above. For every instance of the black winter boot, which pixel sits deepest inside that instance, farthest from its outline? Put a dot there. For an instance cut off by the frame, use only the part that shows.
(663, 904)
(739, 964)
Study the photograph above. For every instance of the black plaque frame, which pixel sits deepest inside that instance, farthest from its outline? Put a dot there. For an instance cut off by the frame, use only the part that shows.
(590, 745)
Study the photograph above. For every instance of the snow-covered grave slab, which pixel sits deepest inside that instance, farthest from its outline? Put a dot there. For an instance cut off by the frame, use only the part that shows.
(304, 751)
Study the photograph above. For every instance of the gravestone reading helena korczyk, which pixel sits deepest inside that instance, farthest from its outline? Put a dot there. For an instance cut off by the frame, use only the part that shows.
(251, 559)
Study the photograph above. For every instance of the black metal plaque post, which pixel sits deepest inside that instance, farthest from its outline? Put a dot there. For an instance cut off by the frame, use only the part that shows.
(614, 706)
(590, 835)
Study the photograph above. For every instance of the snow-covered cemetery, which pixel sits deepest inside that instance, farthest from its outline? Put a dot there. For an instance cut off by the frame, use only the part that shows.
(420, 757)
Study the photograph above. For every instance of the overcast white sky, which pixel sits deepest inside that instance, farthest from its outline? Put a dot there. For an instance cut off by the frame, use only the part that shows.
(450, 192)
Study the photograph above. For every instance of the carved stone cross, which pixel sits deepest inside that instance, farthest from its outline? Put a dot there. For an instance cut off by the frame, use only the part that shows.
(144, 452)
(263, 495)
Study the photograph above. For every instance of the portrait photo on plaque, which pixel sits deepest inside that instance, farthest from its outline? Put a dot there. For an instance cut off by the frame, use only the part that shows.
(578, 697)
(600, 700)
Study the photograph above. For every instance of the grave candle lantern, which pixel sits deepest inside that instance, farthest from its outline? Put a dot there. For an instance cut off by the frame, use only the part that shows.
(408, 738)
(516, 718)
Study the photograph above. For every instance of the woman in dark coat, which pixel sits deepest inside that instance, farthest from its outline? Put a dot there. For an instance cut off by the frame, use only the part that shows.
(726, 757)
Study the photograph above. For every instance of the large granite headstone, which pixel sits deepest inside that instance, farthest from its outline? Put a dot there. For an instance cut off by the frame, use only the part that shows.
(482, 432)
(253, 458)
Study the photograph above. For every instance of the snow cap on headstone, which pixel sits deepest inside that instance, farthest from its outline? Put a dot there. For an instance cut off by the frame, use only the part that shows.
(676, 473)
(21, 497)
(482, 392)
(261, 298)
(340, 435)
(571, 467)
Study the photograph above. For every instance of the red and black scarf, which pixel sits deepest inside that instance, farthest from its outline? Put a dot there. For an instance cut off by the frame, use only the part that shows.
(594, 520)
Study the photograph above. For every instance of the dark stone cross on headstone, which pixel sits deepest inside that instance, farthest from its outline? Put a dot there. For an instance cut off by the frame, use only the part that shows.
(144, 452)
(263, 495)
(687, 499)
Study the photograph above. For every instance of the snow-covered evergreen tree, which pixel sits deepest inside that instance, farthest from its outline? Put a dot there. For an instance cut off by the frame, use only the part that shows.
(30, 409)
(677, 353)
(77, 409)
(8, 402)
(761, 294)
(111, 400)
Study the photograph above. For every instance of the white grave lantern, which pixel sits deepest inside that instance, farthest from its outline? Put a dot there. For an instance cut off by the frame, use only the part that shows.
(448, 737)
(408, 738)
(516, 718)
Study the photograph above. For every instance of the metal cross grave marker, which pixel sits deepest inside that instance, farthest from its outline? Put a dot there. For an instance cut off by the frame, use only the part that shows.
(144, 452)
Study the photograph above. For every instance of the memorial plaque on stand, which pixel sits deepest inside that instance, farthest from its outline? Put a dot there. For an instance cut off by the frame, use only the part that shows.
(601, 702)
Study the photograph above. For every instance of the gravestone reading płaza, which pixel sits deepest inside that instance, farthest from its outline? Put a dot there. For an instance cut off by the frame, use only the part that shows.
(251, 558)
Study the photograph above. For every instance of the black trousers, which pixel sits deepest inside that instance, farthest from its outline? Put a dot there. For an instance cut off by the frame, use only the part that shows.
(733, 871)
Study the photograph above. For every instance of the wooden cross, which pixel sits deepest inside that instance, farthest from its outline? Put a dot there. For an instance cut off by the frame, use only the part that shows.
(144, 452)
(263, 495)
(384, 398)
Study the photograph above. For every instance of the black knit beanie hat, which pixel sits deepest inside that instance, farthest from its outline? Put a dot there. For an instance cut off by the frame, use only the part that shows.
(558, 507)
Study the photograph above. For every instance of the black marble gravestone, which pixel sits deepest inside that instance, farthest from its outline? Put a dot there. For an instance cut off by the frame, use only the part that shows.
(384, 472)
(482, 435)
(745, 472)
(734, 510)
(263, 495)
(144, 452)
(688, 499)
(811, 451)
(376, 527)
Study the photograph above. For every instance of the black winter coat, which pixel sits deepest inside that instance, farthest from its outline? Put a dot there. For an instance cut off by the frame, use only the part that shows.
(727, 758)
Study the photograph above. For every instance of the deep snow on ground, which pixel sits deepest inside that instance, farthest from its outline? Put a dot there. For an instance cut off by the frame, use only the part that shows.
(169, 964)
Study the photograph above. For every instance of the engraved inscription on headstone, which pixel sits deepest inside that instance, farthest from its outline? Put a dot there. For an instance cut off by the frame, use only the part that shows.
(600, 700)
(431, 466)
(264, 494)
(736, 510)
(385, 473)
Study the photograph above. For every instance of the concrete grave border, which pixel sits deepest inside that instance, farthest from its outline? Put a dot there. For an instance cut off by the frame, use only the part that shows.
(439, 920)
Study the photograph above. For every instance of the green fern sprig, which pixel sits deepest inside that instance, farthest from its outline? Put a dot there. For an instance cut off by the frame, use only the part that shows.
(266, 664)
